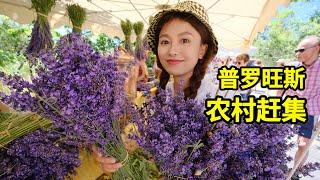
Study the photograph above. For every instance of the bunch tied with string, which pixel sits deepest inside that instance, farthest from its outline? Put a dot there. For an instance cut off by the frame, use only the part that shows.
(139, 49)
(41, 37)
(126, 27)
(77, 15)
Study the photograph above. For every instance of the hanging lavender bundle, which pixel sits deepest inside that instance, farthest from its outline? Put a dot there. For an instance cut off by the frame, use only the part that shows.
(139, 49)
(77, 15)
(126, 27)
(41, 37)
(184, 145)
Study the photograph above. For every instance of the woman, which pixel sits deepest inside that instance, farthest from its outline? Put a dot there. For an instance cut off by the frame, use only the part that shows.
(184, 43)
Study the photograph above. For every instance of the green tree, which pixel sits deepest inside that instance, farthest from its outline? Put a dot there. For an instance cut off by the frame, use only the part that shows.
(282, 35)
(14, 39)
(316, 17)
(103, 43)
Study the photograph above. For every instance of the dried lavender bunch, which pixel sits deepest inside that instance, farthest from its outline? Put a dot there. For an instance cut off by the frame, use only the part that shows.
(41, 37)
(184, 145)
(82, 92)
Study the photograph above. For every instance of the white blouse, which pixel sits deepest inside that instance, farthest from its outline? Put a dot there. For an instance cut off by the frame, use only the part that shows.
(209, 87)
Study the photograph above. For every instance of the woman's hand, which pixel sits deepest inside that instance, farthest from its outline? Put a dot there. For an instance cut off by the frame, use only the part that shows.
(143, 72)
(108, 164)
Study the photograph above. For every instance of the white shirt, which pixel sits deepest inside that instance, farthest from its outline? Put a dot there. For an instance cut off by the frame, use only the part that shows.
(209, 87)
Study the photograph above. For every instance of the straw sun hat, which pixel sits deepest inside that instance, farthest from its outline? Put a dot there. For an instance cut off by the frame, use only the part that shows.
(191, 7)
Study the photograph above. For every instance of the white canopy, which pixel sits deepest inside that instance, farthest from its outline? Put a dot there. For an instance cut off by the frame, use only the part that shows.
(235, 22)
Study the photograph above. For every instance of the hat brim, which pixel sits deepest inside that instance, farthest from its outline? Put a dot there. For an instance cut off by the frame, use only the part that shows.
(151, 33)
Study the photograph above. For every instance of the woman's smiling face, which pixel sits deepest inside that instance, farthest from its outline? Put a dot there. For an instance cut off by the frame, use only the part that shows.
(180, 47)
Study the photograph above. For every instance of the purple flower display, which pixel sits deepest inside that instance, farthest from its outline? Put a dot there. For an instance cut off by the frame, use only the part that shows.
(39, 155)
(249, 151)
(78, 89)
(184, 145)
(171, 133)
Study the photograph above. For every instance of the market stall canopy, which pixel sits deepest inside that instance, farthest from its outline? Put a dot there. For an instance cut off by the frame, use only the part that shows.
(235, 22)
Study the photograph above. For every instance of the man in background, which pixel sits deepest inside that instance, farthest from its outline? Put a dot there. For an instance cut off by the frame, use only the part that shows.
(307, 53)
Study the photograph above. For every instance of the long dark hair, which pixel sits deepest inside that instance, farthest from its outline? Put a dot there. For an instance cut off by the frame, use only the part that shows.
(202, 64)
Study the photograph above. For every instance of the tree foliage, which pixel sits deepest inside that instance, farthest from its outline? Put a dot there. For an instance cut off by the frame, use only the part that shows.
(14, 39)
(104, 43)
(282, 35)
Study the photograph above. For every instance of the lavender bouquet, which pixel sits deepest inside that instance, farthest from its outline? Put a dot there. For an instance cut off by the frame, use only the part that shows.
(184, 145)
(39, 155)
(249, 151)
(126, 27)
(41, 37)
(82, 93)
(172, 133)
(77, 15)
(139, 49)
(76, 88)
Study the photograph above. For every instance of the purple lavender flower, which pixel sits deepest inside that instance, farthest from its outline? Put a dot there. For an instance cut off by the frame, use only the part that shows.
(39, 155)
(41, 38)
(184, 144)
(172, 133)
(78, 89)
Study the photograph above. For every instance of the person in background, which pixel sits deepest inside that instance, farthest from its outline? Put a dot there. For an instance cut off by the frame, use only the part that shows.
(258, 62)
(251, 63)
(280, 63)
(225, 60)
(242, 60)
(257, 90)
(307, 52)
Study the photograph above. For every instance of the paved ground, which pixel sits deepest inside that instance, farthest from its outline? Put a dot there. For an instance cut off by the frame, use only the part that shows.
(314, 156)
